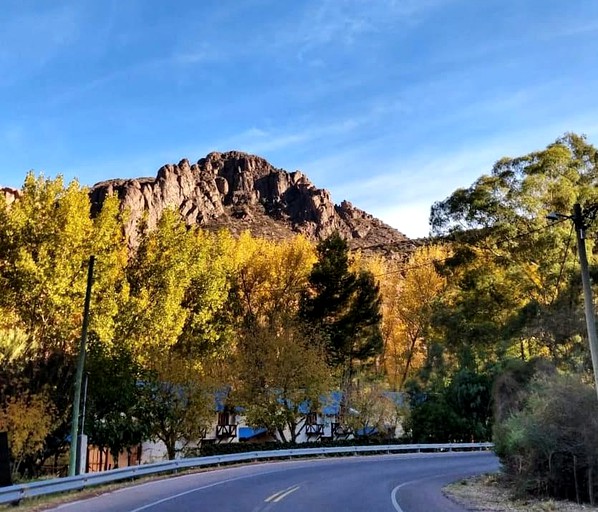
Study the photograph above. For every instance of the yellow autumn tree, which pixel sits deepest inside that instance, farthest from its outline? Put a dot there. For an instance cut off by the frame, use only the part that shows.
(179, 285)
(28, 419)
(281, 375)
(409, 293)
(270, 276)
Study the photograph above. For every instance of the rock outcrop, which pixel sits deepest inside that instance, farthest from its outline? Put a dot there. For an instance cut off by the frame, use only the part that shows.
(10, 194)
(244, 192)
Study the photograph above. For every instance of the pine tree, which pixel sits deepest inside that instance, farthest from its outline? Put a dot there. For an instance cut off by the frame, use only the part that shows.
(345, 305)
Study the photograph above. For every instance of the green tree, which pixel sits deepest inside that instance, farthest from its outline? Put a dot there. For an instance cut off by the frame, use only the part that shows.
(345, 306)
(549, 445)
(458, 410)
(117, 407)
(180, 400)
(282, 373)
(511, 270)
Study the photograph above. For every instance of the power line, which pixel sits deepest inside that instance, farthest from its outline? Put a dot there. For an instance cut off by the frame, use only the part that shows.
(444, 260)
(406, 268)
(565, 252)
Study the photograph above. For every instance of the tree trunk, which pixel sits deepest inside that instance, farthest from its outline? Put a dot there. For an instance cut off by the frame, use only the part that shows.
(171, 450)
(293, 431)
(281, 434)
(577, 498)
(408, 363)
(115, 459)
(591, 485)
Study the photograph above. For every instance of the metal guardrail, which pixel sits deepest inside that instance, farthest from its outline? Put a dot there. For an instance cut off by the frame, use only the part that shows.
(16, 493)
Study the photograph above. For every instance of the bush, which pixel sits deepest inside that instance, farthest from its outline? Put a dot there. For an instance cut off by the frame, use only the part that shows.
(550, 446)
(458, 411)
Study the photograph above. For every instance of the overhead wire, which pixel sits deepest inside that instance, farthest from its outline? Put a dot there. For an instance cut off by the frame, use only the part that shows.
(406, 268)
(498, 242)
(565, 253)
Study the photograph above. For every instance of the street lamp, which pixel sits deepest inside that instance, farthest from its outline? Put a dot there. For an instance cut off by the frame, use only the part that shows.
(578, 219)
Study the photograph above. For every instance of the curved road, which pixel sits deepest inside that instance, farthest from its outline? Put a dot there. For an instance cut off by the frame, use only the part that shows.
(388, 483)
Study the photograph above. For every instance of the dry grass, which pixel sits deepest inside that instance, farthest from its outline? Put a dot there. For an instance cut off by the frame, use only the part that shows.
(488, 493)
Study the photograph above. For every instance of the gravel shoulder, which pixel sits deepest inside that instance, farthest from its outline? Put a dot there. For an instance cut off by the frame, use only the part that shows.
(488, 493)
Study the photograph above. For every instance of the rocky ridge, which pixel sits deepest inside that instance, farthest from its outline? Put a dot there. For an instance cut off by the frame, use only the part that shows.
(244, 192)
(10, 195)
(240, 192)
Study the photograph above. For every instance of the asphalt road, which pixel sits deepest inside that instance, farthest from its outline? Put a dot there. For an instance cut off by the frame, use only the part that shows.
(389, 483)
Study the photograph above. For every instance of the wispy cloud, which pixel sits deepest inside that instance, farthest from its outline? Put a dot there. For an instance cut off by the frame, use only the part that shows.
(401, 190)
(263, 140)
(334, 23)
(197, 53)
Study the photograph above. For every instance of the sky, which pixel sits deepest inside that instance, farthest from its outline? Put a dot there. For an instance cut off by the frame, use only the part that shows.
(389, 104)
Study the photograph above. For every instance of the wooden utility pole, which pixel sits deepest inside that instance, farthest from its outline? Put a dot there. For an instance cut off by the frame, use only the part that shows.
(580, 228)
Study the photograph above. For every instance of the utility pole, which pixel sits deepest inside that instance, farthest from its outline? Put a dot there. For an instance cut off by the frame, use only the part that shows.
(79, 375)
(580, 228)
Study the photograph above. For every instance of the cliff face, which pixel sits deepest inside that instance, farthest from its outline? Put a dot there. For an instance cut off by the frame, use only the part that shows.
(10, 194)
(244, 192)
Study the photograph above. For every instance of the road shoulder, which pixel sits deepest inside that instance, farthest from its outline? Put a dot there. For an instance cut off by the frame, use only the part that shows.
(487, 493)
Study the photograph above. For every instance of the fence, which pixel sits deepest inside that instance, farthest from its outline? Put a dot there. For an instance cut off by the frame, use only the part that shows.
(16, 493)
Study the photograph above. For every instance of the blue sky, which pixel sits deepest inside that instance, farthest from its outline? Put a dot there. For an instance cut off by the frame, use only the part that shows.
(390, 104)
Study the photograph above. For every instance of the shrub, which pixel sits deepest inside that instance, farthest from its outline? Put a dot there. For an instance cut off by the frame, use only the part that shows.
(550, 446)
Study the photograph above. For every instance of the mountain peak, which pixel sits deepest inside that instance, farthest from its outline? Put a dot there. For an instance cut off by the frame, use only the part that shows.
(241, 192)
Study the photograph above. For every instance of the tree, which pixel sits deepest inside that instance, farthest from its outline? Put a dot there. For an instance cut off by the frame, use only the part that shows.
(179, 283)
(28, 419)
(46, 238)
(208, 328)
(282, 375)
(269, 277)
(159, 275)
(175, 323)
(180, 401)
(510, 269)
(345, 306)
(455, 411)
(373, 411)
(548, 446)
(117, 408)
(409, 294)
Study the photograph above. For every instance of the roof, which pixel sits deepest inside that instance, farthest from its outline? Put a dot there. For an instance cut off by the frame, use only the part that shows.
(367, 431)
(332, 403)
(250, 432)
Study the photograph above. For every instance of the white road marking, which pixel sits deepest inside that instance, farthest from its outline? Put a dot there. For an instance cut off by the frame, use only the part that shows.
(393, 494)
(281, 495)
(215, 484)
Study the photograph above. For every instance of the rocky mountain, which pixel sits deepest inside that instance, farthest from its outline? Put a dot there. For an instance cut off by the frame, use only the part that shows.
(244, 192)
(10, 194)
